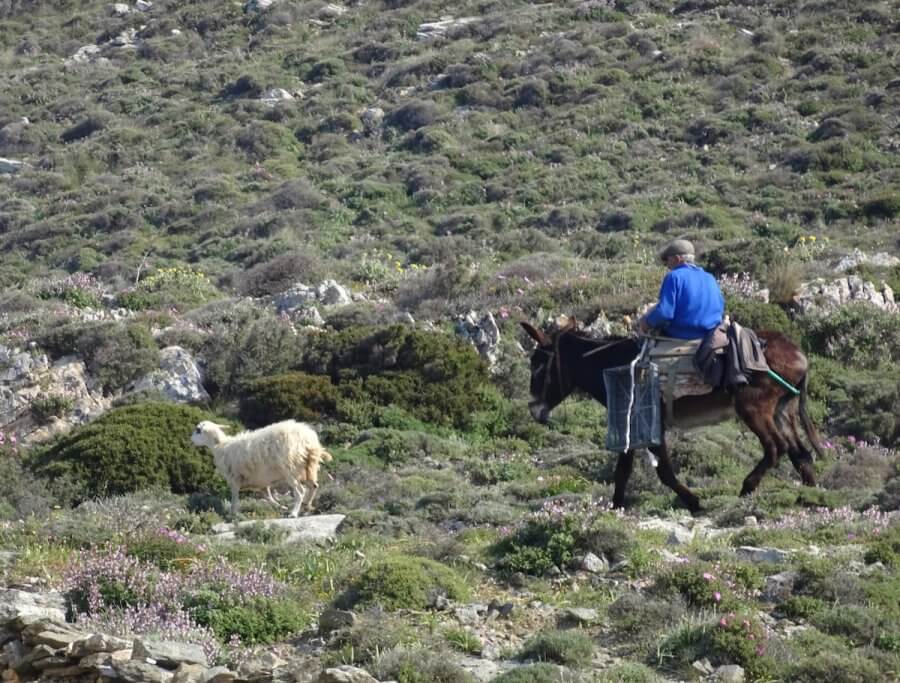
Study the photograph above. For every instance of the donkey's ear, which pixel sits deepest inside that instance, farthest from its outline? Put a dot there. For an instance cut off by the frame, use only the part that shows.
(534, 333)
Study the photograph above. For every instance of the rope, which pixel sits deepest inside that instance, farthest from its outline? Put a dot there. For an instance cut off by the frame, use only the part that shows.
(637, 358)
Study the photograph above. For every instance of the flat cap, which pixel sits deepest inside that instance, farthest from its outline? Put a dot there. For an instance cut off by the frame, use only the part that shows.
(676, 248)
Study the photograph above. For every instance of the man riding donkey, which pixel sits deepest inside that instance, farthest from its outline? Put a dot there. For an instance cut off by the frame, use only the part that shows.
(651, 383)
(695, 346)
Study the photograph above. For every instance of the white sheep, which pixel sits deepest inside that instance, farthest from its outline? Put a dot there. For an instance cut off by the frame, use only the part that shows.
(286, 452)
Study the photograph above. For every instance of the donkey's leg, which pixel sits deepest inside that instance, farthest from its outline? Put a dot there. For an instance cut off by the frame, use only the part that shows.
(800, 455)
(666, 475)
(761, 421)
(623, 472)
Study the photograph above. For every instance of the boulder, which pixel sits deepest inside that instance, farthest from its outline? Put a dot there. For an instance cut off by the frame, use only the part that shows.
(312, 528)
(179, 378)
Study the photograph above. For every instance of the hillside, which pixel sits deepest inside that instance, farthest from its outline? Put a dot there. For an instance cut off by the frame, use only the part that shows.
(586, 131)
(282, 209)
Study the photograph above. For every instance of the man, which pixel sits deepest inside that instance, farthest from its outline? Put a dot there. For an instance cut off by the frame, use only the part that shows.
(690, 301)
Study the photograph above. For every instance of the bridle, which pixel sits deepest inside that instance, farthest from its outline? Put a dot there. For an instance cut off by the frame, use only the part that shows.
(553, 358)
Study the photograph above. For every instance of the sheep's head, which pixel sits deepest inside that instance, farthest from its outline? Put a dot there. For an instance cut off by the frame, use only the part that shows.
(208, 434)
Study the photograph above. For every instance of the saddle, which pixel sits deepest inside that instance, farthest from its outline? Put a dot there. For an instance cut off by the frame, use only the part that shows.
(693, 367)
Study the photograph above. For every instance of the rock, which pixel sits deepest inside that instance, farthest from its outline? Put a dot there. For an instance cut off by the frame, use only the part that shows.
(703, 666)
(189, 673)
(680, 536)
(96, 643)
(143, 5)
(333, 619)
(168, 654)
(120, 9)
(371, 118)
(101, 659)
(332, 11)
(261, 666)
(141, 672)
(46, 632)
(779, 587)
(345, 674)
(482, 332)
(467, 615)
(731, 673)
(593, 564)
(276, 95)
(578, 616)
(178, 379)
(771, 555)
(751, 521)
(439, 29)
(331, 293)
(218, 674)
(312, 528)
(16, 604)
(822, 295)
(258, 5)
(86, 54)
(11, 166)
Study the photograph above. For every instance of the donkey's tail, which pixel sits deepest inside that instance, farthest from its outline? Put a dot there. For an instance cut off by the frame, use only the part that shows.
(808, 425)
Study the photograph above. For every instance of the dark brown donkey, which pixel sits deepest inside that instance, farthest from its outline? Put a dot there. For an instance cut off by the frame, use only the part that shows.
(566, 360)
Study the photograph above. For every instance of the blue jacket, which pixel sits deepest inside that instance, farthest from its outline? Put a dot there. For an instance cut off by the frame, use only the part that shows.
(690, 303)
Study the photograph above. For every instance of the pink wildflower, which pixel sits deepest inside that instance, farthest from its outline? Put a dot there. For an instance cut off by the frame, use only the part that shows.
(708, 576)
(717, 596)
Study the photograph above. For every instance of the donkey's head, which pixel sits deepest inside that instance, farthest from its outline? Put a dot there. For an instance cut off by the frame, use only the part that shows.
(550, 381)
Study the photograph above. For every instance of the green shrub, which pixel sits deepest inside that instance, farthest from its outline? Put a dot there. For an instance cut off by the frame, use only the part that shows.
(245, 342)
(419, 665)
(859, 335)
(164, 548)
(178, 286)
(884, 206)
(433, 376)
(569, 648)
(463, 640)
(115, 352)
(406, 583)
(628, 672)
(539, 545)
(374, 633)
(835, 667)
(885, 548)
(760, 316)
(44, 408)
(801, 606)
(127, 449)
(699, 584)
(293, 395)
(742, 639)
(536, 673)
(636, 614)
(263, 534)
(261, 621)
(22, 494)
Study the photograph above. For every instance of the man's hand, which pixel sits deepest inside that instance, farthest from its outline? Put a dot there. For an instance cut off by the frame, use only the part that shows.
(644, 326)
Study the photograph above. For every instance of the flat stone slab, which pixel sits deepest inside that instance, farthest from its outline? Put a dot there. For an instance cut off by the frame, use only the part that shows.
(312, 528)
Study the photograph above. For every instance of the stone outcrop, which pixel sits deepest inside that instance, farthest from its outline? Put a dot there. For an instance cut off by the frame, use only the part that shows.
(824, 295)
(29, 378)
(483, 333)
(178, 379)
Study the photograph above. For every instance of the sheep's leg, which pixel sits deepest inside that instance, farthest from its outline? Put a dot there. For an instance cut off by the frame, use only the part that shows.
(235, 501)
(314, 489)
(271, 498)
(299, 494)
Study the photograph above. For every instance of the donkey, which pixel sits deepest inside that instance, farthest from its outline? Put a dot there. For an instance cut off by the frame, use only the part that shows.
(567, 360)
